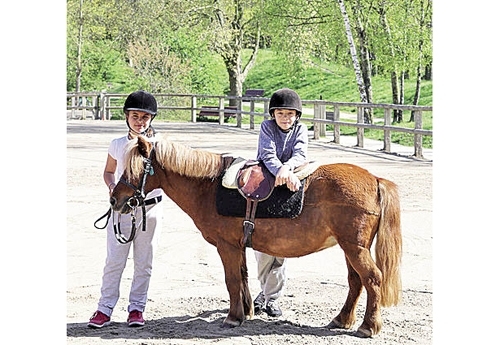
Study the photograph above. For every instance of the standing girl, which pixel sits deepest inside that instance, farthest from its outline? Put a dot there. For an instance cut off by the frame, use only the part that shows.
(140, 109)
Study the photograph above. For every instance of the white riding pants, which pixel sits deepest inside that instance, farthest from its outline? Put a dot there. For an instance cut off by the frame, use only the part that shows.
(144, 245)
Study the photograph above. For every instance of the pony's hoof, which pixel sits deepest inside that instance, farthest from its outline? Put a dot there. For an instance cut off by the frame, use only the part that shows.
(336, 324)
(230, 324)
(363, 333)
(227, 325)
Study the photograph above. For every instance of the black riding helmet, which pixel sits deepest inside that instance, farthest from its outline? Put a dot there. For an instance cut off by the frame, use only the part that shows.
(285, 99)
(141, 101)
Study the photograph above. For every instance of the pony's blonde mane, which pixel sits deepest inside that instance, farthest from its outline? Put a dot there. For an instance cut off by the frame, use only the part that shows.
(176, 157)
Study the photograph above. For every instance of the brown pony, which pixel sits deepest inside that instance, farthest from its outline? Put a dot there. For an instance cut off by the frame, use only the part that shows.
(343, 204)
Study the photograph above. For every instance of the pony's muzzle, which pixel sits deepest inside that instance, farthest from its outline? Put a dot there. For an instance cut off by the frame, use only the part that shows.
(124, 208)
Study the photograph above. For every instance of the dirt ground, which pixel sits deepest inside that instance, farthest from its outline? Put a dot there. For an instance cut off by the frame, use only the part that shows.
(188, 300)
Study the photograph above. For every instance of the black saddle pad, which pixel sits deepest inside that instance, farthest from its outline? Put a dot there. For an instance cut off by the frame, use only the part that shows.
(282, 203)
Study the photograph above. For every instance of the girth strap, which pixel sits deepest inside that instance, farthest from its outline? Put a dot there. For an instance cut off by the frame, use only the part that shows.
(249, 222)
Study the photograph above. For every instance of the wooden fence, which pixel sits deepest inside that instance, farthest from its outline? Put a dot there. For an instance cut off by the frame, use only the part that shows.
(101, 106)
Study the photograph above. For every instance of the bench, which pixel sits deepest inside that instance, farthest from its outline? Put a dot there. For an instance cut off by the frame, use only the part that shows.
(209, 110)
(254, 93)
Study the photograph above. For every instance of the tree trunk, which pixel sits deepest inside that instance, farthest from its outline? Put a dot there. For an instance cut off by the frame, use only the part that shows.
(235, 81)
(236, 75)
(354, 57)
(366, 67)
(397, 114)
(79, 49)
(428, 72)
(416, 96)
(232, 49)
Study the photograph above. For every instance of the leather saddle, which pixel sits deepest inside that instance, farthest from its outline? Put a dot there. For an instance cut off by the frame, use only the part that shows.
(254, 181)
(256, 184)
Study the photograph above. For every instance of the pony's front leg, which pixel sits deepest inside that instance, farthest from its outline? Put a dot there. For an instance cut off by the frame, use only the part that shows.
(232, 257)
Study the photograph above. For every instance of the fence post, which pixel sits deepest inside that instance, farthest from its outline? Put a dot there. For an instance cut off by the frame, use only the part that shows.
(193, 108)
(239, 107)
(266, 110)
(360, 131)
(252, 117)
(319, 128)
(221, 110)
(316, 125)
(387, 132)
(73, 104)
(418, 137)
(108, 104)
(336, 127)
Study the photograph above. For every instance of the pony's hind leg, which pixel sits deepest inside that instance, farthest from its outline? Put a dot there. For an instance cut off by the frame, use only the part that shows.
(347, 316)
(371, 277)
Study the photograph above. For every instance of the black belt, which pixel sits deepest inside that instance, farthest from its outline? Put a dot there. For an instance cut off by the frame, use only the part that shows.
(152, 201)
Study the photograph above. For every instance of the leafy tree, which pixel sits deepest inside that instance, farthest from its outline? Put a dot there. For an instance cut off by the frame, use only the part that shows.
(128, 38)
(360, 77)
(226, 26)
(404, 43)
(373, 36)
(210, 46)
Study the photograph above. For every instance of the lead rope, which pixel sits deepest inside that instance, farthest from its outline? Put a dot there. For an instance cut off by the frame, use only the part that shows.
(107, 215)
(117, 228)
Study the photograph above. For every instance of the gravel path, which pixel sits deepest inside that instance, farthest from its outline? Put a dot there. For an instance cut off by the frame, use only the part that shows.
(188, 299)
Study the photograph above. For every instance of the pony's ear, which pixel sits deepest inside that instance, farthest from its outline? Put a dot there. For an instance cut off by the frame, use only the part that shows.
(144, 146)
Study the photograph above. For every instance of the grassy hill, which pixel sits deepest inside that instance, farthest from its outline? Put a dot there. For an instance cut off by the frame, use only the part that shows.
(337, 83)
(330, 81)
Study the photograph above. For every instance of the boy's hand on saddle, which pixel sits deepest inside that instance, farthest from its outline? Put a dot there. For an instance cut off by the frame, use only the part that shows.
(293, 183)
(286, 176)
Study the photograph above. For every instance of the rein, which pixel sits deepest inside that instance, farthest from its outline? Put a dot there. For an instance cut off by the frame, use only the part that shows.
(135, 201)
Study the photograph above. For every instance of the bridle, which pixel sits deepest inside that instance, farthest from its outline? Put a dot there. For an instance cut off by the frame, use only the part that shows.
(135, 201)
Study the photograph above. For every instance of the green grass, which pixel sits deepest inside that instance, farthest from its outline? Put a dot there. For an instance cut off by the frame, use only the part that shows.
(330, 82)
(337, 83)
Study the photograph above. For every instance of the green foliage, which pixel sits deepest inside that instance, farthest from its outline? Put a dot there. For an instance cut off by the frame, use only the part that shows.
(328, 81)
(207, 69)
(333, 82)
(104, 69)
(168, 46)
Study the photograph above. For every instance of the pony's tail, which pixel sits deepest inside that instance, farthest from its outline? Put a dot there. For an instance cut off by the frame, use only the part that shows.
(389, 246)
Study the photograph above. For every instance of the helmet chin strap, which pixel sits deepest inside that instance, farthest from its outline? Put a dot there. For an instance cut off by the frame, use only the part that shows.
(144, 131)
(141, 133)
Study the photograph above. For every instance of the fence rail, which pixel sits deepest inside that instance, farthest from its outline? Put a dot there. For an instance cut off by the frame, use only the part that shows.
(100, 106)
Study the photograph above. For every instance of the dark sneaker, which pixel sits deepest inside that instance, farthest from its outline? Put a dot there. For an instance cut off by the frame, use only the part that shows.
(98, 320)
(273, 309)
(259, 303)
(135, 319)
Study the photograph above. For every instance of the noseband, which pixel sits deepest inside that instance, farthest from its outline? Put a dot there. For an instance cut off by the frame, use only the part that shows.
(135, 201)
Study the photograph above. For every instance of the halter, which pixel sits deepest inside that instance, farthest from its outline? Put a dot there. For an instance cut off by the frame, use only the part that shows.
(135, 201)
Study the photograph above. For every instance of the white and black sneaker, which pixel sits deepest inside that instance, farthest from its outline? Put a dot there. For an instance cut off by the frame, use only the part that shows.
(273, 309)
(259, 303)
